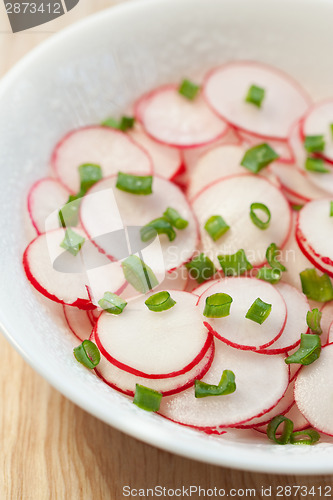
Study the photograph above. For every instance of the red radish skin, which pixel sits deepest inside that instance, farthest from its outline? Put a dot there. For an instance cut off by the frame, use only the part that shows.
(312, 396)
(167, 161)
(235, 329)
(171, 119)
(219, 198)
(125, 382)
(45, 197)
(78, 322)
(297, 309)
(127, 210)
(226, 87)
(185, 342)
(112, 149)
(261, 382)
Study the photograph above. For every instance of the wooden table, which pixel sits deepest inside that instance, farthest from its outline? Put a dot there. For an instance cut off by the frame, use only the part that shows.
(50, 448)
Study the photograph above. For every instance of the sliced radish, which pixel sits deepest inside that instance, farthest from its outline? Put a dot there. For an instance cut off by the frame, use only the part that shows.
(167, 161)
(238, 331)
(226, 88)
(297, 309)
(282, 148)
(192, 155)
(172, 119)
(217, 163)
(94, 314)
(125, 382)
(317, 121)
(78, 322)
(293, 259)
(199, 290)
(313, 231)
(231, 198)
(176, 280)
(261, 382)
(64, 278)
(296, 183)
(106, 209)
(282, 407)
(151, 344)
(113, 150)
(45, 197)
(314, 391)
(299, 421)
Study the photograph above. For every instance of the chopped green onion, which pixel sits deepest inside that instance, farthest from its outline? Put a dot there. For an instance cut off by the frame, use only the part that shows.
(312, 437)
(138, 274)
(87, 354)
(157, 226)
(313, 321)
(331, 209)
(135, 184)
(308, 352)
(175, 218)
(217, 305)
(273, 426)
(125, 123)
(227, 385)
(259, 311)
(216, 227)
(331, 127)
(72, 242)
(161, 301)
(89, 175)
(316, 287)
(271, 256)
(316, 165)
(258, 157)
(189, 89)
(112, 304)
(261, 224)
(314, 143)
(69, 214)
(297, 208)
(270, 275)
(255, 95)
(147, 399)
(201, 268)
(234, 264)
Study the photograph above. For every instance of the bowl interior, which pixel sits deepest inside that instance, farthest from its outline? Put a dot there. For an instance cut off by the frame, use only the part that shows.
(95, 69)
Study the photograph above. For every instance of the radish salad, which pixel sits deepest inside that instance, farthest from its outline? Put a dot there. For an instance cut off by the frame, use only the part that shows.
(188, 245)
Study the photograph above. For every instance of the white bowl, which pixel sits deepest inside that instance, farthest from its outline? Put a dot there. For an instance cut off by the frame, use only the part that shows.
(94, 69)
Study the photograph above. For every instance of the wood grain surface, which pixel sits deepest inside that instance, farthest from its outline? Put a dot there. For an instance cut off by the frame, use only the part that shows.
(50, 448)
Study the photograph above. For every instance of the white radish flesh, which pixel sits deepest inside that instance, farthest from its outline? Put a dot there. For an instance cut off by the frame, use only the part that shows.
(172, 119)
(314, 391)
(326, 323)
(226, 88)
(154, 344)
(106, 209)
(45, 198)
(111, 149)
(231, 198)
(297, 309)
(78, 322)
(261, 382)
(297, 183)
(167, 161)
(176, 280)
(125, 382)
(237, 330)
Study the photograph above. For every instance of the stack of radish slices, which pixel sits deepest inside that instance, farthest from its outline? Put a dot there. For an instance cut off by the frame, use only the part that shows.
(189, 248)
